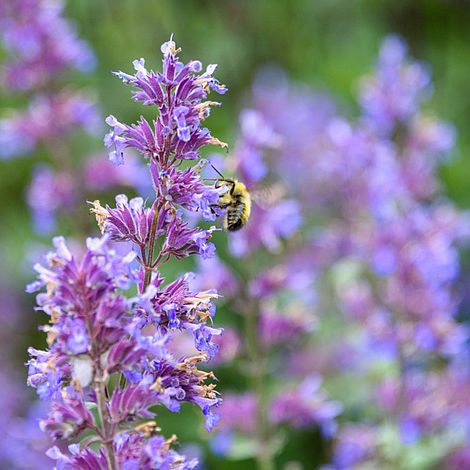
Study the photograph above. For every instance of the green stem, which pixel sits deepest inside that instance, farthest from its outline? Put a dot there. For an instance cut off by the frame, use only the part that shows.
(106, 428)
(264, 457)
(149, 264)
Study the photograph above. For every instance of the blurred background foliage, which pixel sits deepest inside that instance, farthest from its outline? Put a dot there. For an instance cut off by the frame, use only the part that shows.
(327, 44)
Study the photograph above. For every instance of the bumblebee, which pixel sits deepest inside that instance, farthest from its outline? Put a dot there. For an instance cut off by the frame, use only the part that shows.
(236, 202)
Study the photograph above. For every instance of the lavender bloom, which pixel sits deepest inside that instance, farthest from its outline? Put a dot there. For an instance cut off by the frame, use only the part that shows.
(98, 336)
(129, 221)
(41, 43)
(394, 94)
(356, 445)
(48, 192)
(277, 328)
(92, 336)
(48, 117)
(385, 245)
(304, 406)
(179, 93)
(213, 273)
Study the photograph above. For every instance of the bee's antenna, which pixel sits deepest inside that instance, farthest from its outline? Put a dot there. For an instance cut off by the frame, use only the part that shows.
(217, 171)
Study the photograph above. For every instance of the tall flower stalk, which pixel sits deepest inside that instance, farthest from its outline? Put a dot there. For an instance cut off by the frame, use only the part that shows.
(271, 289)
(109, 360)
(384, 251)
(376, 261)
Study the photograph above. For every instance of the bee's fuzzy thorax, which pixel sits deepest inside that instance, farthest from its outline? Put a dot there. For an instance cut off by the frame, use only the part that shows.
(237, 203)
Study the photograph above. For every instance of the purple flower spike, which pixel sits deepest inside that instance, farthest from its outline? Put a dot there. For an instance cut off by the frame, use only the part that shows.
(178, 92)
(108, 364)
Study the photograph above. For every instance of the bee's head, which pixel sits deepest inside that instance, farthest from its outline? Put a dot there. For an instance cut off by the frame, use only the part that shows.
(238, 189)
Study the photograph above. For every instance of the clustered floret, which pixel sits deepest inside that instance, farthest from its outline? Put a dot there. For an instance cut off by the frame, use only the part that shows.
(109, 361)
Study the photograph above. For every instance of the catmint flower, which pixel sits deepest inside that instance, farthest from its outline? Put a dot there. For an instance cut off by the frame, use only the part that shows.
(40, 42)
(458, 459)
(48, 117)
(356, 445)
(238, 412)
(389, 245)
(182, 241)
(275, 221)
(97, 333)
(179, 93)
(23, 445)
(228, 346)
(48, 192)
(177, 306)
(78, 340)
(213, 273)
(277, 216)
(129, 221)
(277, 328)
(92, 332)
(257, 134)
(306, 405)
(394, 94)
(301, 407)
(186, 189)
(381, 243)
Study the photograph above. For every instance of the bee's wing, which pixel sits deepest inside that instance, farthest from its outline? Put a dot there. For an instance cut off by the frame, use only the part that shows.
(268, 196)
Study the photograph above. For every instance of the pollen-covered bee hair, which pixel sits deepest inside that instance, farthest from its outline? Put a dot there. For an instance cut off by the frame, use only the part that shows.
(236, 201)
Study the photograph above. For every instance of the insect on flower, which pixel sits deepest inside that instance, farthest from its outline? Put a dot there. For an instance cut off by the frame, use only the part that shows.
(236, 202)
